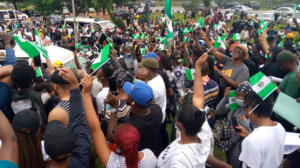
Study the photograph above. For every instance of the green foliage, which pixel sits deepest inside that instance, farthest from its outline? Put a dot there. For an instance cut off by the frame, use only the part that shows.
(118, 22)
(206, 3)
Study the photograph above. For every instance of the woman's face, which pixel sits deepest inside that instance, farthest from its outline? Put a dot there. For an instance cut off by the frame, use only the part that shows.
(240, 95)
(238, 53)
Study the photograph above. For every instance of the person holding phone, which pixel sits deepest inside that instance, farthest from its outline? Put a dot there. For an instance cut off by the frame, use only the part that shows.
(232, 155)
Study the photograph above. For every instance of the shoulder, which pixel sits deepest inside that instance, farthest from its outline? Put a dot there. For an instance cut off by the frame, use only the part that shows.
(58, 114)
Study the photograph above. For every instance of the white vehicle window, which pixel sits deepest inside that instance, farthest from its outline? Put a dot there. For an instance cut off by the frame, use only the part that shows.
(297, 15)
(272, 16)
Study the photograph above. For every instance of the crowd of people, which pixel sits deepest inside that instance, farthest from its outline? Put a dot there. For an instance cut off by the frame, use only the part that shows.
(118, 112)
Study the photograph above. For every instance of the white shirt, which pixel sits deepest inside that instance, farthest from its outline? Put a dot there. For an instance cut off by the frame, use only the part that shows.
(263, 147)
(228, 16)
(187, 155)
(159, 92)
(100, 99)
(163, 19)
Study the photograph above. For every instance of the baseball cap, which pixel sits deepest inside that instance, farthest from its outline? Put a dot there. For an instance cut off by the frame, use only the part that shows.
(59, 141)
(140, 92)
(290, 45)
(58, 64)
(56, 78)
(151, 55)
(176, 57)
(26, 119)
(290, 35)
(151, 63)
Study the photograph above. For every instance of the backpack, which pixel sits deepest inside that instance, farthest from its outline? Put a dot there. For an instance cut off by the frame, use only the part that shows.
(222, 135)
(251, 66)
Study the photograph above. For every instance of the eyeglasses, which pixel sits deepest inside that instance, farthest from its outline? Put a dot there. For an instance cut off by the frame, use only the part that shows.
(238, 51)
(246, 107)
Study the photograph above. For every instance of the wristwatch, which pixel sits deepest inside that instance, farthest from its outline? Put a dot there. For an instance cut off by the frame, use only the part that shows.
(113, 110)
(222, 75)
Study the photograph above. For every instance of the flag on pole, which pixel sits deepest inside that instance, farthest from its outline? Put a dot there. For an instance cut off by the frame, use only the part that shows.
(201, 23)
(77, 45)
(31, 49)
(102, 58)
(262, 85)
(232, 100)
(169, 17)
(163, 40)
(186, 30)
(259, 31)
(280, 44)
(236, 37)
(263, 24)
(295, 8)
(224, 37)
(215, 26)
(184, 39)
(38, 40)
(39, 72)
(143, 51)
(251, 23)
(218, 43)
(190, 74)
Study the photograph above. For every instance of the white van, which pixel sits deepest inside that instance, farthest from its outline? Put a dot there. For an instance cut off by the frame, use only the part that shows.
(96, 23)
(13, 14)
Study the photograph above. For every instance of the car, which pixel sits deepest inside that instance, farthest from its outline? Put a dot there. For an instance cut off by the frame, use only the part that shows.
(95, 23)
(239, 9)
(213, 5)
(28, 12)
(12, 14)
(151, 3)
(294, 15)
(285, 18)
(252, 4)
(199, 7)
(290, 5)
(120, 13)
(186, 4)
(269, 17)
(57, 17)
(230, 5)
(283, 10)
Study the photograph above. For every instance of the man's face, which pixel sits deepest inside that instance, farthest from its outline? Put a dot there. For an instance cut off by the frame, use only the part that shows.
(142, 75)
(284, 66)
(100, 74)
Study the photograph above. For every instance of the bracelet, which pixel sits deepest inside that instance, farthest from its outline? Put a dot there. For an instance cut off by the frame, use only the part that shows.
(7, 43)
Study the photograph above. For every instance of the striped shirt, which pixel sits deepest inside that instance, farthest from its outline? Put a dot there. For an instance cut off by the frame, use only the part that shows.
(65, 105)
(148, 161)
(193, 155)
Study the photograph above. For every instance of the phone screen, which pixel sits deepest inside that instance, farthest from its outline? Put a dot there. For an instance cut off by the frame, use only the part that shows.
(235, 124)
(37, 61)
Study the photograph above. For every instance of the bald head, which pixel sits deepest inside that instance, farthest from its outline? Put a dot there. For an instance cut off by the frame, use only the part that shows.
(142, 74)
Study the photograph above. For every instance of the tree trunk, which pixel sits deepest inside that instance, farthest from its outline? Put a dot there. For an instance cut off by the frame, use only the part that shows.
(15, 4)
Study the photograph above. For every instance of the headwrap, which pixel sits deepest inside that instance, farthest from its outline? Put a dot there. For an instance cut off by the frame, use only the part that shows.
(244, 87)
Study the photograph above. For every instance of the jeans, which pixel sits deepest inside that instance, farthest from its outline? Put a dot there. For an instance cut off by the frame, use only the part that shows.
(147, 15)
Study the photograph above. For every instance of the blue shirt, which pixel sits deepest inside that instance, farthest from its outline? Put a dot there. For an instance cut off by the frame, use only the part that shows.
(7, 164)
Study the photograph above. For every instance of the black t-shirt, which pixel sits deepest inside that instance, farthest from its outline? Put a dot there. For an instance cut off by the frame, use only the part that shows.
(149, 128)
(165, 78)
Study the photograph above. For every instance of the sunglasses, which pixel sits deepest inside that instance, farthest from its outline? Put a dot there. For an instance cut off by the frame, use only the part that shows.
(238, 51)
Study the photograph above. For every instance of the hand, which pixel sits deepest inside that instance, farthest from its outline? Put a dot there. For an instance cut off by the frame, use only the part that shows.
(227, 91)
(203, 35)
(298, 78)
(75, 53)
(275, 83)
(87, 83)
(244, 133)
(263, 36)
(169, 40)
(69, 76)
(298, 100)
(194, 32)
(202, 60)
(5, 37)
(242, 117)
(295, 20)
(112, 100)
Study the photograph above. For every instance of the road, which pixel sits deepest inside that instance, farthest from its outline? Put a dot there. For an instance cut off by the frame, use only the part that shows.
(175, 9)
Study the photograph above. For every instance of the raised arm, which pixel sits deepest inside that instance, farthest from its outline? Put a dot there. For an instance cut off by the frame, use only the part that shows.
(198, 96)
(197, 44)
(50, 66)
(218, 55)
(76, 60)
(102, 149)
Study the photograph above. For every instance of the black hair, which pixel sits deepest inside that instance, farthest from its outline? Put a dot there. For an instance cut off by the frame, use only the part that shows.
(41, 85)
(123, 65)
(191, 118)
(271, 39)
(258, 46)
(264, 108)
(256, 25)
(23, 76)
(165, 62)
(198, 53)
(211, 64)
(107, 72)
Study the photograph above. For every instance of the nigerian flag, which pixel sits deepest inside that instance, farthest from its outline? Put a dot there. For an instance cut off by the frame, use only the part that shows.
(190, 73)
(201, 23)
(262, 85)
(251, 23)
(143, 51)
(29, 48)
(236, 37)
(219, 43)
(232, 100)
(280, 44)
(169, 17)
(39, 72)
(77, 45)
(102, 58)
(186, 30)
(224, 37)
(295, 8)
(184, 39)
(259, 31)
(215, 26)
(263, 24)
(38, 40)
(162, 40)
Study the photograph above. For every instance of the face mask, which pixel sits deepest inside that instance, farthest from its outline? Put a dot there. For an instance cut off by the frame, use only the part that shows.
(191, 61)
(95, 52)
(137, 80)
(119, 150)
(172, 67)
(231, 53)
(240, 102)
(128, 53)
(251, 51)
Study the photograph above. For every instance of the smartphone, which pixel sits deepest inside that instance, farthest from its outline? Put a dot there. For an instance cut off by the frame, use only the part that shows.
(37, 61)
(235, 124)
(129, 78)
(113, 85)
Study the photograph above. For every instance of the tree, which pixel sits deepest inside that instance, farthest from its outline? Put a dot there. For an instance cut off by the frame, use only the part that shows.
(14, 2)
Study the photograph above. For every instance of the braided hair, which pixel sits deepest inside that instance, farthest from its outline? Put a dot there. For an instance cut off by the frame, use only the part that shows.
(127, 139)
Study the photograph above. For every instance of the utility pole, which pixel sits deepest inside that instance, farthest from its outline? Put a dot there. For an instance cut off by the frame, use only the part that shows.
(74, 21)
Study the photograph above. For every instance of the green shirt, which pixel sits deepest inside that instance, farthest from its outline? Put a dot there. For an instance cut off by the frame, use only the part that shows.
(289, 85)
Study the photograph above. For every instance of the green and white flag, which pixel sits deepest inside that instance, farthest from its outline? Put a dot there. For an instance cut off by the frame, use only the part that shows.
(282, 37)
(190, 74)
(262, 85)
(30, 48)
(162, 40)
(251, 23)
(263, 24)
(84, 48)
(236, 37)
(224, 36)
(280, 44)
(184, 39)
(201, 23)
(102, 58)
(38, 40)
(259, 32)
(77, 45)
(169, 17)
(215, 26)
(143, 51)
(295, 8)
(39, 72)
(186, 30)
(232, 100)
(219, 43)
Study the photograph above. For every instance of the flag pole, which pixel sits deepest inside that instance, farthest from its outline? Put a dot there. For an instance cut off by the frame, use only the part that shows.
(209, 50)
